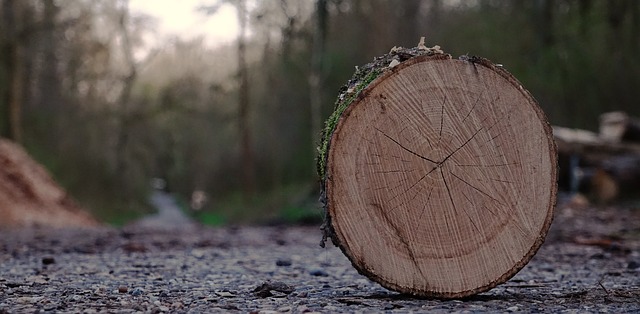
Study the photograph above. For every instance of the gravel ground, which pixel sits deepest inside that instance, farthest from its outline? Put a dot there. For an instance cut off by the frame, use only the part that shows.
(590, 263)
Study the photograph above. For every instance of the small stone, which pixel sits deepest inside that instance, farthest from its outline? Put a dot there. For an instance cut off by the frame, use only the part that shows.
(393, 306)
(318, 272)
(134, 247)
(633, 265)
(225, 294)
(265, 290)
(283, 262)
(123, 289)
(262, 292)
(232, 307)
(37, 279)
(48, 260)
(198, 253)
(137, 292)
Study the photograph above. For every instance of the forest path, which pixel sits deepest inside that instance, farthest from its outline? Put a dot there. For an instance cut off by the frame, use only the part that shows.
(589, 263)
(168, 214)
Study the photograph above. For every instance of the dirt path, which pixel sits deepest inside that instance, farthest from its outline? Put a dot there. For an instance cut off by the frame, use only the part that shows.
(168, 214)
(590, 263)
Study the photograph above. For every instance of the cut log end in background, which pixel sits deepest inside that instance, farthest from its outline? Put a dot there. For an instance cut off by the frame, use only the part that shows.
(439, 175)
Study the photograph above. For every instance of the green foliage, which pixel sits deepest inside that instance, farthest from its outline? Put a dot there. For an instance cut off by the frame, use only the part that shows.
(287, 203)
(211, 219)
(578, 58)
(577, 61)
(301, 215)
(117, 214)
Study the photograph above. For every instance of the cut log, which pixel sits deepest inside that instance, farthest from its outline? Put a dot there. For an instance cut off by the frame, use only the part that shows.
(605, 166)
(617, 126)
(438, 174)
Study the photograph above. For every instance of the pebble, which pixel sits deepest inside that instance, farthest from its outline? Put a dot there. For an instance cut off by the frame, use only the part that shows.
(318, 272)
(137, 292)
(633, 265)
(283, 262)
(48, 260)
(123, 289)
(225, 294)
(266, 289)
(77, 298)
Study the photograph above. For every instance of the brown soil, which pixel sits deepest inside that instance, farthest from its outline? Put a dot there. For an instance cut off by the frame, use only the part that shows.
(30, 197)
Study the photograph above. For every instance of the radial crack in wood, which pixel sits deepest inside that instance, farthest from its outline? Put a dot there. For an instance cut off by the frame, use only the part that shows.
(439, 176)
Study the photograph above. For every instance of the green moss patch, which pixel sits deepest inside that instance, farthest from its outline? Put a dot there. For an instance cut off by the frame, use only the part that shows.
(361, 79)
(343, 102)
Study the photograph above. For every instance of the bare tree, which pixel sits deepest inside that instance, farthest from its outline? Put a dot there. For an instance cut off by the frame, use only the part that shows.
(316, 79)
(244, 126)
(12, 51)
(248, 163)
(49, 86)
(128, 79)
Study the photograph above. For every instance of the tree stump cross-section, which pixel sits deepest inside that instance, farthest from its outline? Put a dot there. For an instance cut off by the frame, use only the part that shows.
(440, 177)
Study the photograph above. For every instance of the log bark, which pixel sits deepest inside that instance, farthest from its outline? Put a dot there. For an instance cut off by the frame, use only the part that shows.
(438, 174)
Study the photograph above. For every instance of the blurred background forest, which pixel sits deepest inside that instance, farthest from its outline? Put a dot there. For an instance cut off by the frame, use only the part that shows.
(106, 109)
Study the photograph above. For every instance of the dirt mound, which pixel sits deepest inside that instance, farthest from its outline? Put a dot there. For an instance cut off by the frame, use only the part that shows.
(30, 197)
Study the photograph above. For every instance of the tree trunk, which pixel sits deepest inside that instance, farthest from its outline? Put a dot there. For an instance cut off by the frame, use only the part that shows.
(246, 150)
(439, 174)
(49, 85)
(15, 74)
(316, 79)
(124, 115)
(543, 20)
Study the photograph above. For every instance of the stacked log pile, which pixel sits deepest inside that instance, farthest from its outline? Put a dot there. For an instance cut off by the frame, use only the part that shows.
(603, 165)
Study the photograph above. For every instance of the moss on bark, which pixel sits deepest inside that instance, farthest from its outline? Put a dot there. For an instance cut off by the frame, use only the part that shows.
(361, 79)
